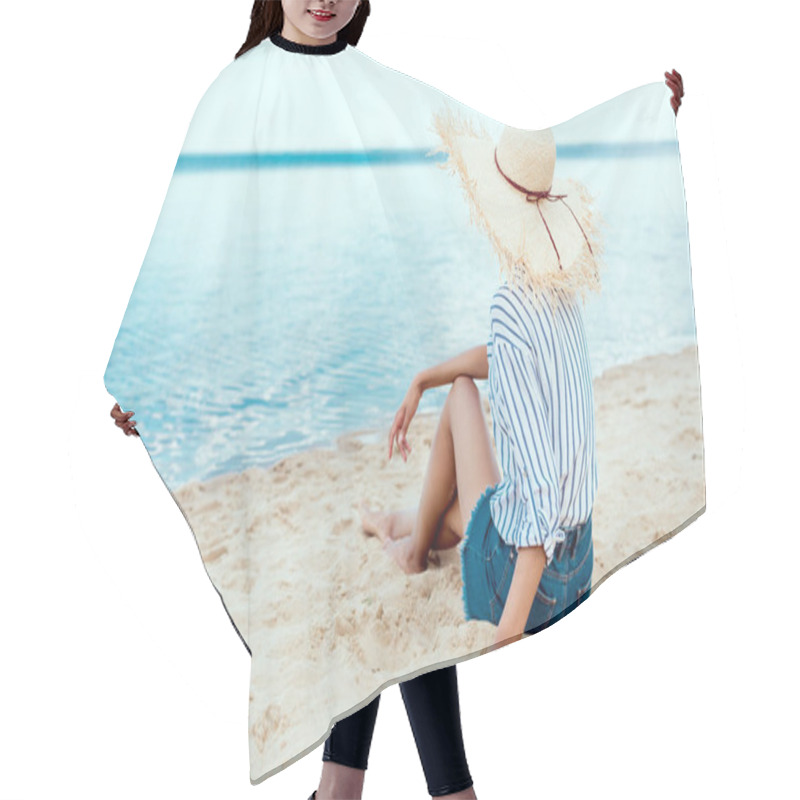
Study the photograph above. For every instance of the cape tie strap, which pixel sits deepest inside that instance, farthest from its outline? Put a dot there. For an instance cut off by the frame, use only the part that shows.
(535, 197)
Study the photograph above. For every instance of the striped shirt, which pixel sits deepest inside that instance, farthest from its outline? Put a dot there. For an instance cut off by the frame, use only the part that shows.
(542, 403)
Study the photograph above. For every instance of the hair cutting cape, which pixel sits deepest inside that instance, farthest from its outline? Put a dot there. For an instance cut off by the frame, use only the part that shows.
(315, 253)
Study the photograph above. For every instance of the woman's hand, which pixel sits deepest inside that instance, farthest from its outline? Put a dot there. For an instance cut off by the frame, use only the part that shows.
(402, 419)
(675, 82)
(504, 636)
(124, 421)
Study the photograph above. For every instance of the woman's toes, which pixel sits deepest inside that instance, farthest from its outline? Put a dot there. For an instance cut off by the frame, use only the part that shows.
(376, 523)
(373, 522)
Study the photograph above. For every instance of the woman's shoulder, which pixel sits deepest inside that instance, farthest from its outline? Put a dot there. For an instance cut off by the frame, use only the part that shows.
(512, 303)
(512, 296)
(524, 319)
(510, 316)
(504, 299)
(529, 309)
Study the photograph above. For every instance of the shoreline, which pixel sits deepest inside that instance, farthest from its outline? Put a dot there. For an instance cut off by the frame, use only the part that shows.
(315, 597)
(372, 435)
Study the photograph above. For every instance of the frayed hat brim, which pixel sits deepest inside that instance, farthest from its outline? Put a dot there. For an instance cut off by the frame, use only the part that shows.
(514, 224)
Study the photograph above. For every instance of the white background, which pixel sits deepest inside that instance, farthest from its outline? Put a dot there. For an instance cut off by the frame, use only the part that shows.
(120, 673)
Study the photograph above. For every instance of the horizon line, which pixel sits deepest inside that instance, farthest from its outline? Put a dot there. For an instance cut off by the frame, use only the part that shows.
(190, 162)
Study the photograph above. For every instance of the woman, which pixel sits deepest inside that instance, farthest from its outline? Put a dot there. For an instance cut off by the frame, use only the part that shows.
(431, 699)
(527, 552)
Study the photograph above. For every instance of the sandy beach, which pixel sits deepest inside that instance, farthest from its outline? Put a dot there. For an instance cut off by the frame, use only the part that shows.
(316, 598)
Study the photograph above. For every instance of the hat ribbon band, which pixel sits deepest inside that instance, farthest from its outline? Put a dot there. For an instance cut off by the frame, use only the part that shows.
(535, 197)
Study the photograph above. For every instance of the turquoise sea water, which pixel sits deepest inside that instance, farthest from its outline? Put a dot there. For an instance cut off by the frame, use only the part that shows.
(353, 316)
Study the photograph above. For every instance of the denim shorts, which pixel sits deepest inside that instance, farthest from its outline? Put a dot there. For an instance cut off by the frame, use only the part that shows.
(487, 567)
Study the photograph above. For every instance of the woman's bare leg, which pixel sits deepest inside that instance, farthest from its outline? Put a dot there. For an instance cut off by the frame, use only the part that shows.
(461, 465)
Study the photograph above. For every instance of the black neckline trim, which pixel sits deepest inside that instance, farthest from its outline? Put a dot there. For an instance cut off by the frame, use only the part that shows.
(309, 49)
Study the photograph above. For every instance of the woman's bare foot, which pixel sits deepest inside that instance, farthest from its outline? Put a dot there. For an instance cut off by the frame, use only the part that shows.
(402, 551)
(394, 529)
(387, 526)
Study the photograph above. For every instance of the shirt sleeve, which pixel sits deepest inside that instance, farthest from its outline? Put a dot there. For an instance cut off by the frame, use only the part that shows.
(525, 418)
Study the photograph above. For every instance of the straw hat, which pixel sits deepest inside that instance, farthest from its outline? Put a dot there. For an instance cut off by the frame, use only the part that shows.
(545, 232)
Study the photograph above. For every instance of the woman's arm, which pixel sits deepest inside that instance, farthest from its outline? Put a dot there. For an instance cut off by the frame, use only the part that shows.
(528, 570)
(472, 362)
(525, 419)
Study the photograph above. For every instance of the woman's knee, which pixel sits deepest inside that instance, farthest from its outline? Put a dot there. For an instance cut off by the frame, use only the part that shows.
(463, 383)
(463, 387)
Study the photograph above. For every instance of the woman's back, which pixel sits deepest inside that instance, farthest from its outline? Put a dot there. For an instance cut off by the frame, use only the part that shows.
(540, 387)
